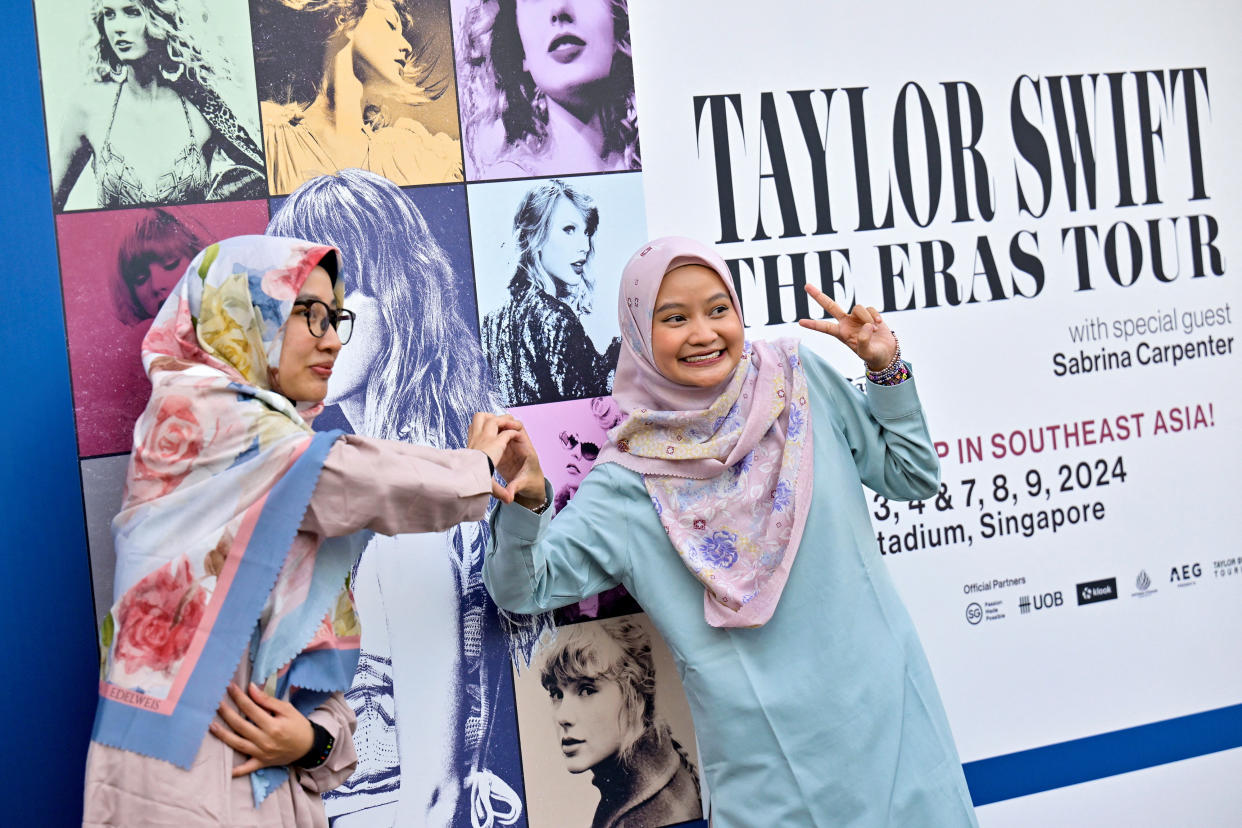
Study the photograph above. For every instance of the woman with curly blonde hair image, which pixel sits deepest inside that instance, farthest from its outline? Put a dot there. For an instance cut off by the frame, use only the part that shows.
(151, 121)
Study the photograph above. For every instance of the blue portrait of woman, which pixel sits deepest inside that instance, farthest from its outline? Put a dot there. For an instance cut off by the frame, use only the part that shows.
(435, 648)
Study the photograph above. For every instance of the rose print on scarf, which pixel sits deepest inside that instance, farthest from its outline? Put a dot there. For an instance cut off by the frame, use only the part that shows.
(169, 450)
(283, 282)
(227, 328)
(158, 618)
(174, 338)
(720, 548)
(271, 309)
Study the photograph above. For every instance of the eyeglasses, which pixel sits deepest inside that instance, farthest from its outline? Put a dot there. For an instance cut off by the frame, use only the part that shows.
(319, 317)
(589, 450)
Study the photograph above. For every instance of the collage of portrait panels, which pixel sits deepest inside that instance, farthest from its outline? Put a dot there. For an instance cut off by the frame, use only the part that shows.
(477, 163)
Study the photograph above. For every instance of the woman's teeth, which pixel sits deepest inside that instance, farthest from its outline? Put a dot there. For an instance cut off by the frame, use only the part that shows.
(703, 357)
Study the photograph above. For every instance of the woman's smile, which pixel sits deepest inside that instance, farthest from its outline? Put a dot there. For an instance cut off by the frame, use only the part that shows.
(700, 359)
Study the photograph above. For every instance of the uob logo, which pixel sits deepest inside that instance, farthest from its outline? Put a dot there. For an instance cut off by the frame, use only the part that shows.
(1048, 600)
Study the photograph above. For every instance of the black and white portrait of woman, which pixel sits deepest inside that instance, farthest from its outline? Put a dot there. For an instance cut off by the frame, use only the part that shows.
(161, 110)
(434, 667)
(547, 87)
(538, 286)
(362, 84)
(605, 699)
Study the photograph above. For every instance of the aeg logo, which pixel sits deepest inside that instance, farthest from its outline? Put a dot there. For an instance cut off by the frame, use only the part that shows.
(1185, 574)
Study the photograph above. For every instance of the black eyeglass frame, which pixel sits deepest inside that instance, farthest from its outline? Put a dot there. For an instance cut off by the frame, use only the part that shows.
(332, 317)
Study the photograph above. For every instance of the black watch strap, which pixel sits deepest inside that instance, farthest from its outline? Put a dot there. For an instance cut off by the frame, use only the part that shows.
(320, 750)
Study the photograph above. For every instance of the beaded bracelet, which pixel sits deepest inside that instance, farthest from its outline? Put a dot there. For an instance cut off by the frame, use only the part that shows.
(321, 748)
(895, 373)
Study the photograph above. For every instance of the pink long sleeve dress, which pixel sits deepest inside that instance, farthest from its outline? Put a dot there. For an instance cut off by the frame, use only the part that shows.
(385, 486)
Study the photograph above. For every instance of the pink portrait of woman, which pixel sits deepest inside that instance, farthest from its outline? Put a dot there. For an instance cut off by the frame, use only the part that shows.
(547, 87)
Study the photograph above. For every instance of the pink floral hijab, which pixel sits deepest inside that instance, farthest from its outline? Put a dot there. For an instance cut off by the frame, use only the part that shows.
(728, 468)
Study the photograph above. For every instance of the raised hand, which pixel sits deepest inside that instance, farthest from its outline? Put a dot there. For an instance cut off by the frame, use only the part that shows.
(862, 330)
(270, 731)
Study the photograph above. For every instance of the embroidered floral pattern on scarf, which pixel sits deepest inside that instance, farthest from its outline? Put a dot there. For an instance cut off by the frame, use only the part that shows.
(728, 468)
(731, 530)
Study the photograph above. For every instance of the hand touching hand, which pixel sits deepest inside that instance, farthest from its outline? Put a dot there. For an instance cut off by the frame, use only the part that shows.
(521, 470)
(862, 330)
(491, 434)
(270, 731)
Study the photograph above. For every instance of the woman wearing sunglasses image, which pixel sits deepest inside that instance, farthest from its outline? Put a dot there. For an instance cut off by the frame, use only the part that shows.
(582, 454)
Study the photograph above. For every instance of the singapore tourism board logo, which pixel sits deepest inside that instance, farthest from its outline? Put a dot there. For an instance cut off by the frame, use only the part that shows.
(990, 610)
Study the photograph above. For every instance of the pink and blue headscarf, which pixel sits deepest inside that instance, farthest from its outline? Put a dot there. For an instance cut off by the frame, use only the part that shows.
(728, 468)
(211, 567)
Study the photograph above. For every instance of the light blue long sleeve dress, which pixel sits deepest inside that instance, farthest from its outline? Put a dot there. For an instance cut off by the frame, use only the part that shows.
(827, 714)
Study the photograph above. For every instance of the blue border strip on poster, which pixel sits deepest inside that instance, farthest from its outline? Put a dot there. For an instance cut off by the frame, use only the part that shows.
(50, 663)
(1107, 754)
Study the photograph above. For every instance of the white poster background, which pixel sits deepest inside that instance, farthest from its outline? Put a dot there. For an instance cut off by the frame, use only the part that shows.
(1059, 673)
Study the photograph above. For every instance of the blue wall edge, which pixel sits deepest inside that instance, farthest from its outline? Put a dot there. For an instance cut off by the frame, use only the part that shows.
(50, 664)
(1106, 754)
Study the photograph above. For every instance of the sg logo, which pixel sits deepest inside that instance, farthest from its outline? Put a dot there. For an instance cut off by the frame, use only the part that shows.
(974, 613)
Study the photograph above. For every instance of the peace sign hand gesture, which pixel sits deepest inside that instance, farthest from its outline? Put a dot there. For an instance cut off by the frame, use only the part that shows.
(862, 330)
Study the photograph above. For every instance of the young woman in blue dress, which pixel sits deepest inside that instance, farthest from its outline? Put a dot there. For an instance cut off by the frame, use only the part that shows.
(730, 503)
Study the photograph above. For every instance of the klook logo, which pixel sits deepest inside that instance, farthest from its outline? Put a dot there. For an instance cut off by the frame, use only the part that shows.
(1093, 592)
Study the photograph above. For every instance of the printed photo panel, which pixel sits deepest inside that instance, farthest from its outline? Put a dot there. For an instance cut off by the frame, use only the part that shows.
(103, 482)
(568, 437)
(117, 267)
(545, 91)
(149, 102)
(601, 714)
(548, 256)
(436, 734)
(408, 279)
(356, 84)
